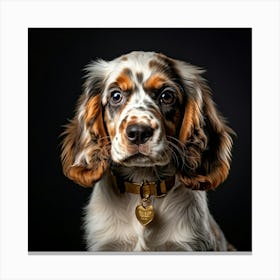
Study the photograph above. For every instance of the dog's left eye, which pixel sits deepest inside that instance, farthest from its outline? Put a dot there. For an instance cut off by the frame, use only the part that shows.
(167, 97)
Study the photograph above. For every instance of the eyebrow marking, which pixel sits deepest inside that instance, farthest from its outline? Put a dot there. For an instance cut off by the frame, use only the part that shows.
(155, 82)
(124, 80)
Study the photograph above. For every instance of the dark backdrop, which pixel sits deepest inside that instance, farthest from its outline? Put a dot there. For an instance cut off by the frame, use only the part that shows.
(56, 58)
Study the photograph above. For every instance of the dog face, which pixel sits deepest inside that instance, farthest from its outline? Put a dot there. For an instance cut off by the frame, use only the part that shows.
(142, 108)
(145, 109)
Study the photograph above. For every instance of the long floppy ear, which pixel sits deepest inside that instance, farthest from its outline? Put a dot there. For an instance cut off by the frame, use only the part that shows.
(206, 137)
(85, 148)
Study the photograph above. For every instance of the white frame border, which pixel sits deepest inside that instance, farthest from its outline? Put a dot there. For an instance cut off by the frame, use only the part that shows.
(18, 16)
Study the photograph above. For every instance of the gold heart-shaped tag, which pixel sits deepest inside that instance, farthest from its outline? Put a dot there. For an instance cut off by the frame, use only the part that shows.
(144, 214)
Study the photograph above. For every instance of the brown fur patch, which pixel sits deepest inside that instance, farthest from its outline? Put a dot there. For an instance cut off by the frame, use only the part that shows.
(123, 126)
(213, 162)
(94, 144)
(154, 125)
(86, 177)
(188, 122)
(124, 81)
(157, 65)
(111, 127)
(91, 109)
(155, 82)
(124, 58)
(93, 116)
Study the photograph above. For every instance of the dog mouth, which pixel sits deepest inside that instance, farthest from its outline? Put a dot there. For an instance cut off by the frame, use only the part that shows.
(137, 159)
(142, 160)
(143, 155)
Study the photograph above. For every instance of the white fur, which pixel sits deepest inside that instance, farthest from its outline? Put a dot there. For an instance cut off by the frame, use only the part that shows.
(182, 221)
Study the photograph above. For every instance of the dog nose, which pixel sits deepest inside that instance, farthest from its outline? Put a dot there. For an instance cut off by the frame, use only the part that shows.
(139, 134)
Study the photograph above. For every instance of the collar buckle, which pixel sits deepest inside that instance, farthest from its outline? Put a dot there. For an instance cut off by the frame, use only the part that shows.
(146, 189)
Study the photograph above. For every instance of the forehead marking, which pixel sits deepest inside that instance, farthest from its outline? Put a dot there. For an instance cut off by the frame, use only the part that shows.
(139, 77)
(157, 65)
(127, 72)
(124, 58)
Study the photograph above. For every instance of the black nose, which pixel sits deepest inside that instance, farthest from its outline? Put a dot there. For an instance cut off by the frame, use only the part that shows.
(139, 134)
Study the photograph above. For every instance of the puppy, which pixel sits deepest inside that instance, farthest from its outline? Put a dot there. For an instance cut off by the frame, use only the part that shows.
(149, 140)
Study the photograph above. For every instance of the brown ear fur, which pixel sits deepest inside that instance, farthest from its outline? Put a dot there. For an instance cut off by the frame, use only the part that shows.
(85, 148)
(207, 141)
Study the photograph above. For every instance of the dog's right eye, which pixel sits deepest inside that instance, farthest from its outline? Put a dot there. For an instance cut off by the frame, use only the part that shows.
(116, 97)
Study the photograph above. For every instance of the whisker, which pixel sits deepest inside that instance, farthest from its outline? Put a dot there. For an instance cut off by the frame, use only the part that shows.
(180, 154)
(179, 149)
(174, 155)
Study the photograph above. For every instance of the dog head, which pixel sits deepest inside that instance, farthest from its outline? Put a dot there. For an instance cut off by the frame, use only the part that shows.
(145, 109)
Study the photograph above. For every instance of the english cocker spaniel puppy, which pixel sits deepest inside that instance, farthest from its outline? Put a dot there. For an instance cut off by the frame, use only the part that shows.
(148, 138)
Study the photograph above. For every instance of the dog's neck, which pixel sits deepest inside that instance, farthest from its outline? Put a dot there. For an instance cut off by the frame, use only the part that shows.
(141, 174)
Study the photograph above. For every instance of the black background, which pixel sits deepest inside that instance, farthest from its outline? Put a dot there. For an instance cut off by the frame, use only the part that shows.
(56, 58)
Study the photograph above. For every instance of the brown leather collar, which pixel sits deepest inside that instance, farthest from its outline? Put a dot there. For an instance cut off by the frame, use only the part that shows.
(145, 189)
